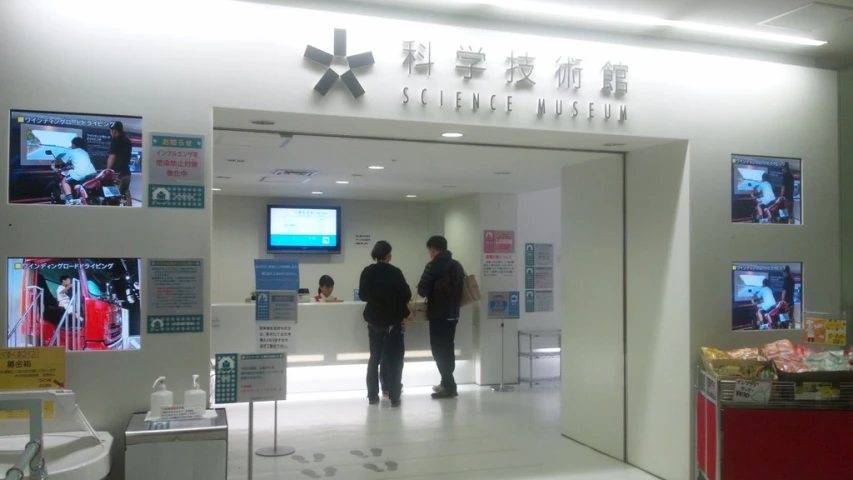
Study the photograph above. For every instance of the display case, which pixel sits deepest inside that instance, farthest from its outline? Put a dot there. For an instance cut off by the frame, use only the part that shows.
(772, 432)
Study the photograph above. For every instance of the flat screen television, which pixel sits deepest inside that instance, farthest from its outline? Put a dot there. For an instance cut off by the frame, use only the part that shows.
(303, 229)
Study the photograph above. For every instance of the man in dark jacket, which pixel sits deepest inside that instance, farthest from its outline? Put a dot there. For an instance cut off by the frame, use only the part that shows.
(441, 285)
(387, 294)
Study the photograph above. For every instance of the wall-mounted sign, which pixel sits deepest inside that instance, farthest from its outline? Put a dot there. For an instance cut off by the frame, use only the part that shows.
(176, 298)
(522, 70)
(824, 331)
(177, 171)
(538, 277)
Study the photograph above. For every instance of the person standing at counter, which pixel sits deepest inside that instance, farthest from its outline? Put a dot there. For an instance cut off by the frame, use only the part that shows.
(387, 294)
(441, 284)
(324, 292)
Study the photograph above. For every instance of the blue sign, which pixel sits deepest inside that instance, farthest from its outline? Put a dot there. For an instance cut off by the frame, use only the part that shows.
(514, 309)
(277, 275)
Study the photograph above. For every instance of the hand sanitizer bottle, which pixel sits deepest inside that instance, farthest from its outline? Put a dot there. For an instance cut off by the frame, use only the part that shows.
(160, 398)
(195, 399)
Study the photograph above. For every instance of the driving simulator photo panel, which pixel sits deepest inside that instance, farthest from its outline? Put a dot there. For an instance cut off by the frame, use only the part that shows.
(73, 159)
(766, 190)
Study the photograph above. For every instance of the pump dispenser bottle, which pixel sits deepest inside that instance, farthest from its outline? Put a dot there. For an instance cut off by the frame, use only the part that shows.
(160, 398)
(195, 399)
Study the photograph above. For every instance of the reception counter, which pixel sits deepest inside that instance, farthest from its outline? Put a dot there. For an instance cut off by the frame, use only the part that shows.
(330, 348)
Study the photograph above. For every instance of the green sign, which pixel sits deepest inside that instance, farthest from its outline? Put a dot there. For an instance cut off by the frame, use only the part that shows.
(172, 141)
(529, 301)
(175, 196)
(529, 255)
(227, 377)
(529, 277)
(175, 324)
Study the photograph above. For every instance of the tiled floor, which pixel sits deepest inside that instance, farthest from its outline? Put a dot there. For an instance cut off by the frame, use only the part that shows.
(480, 435)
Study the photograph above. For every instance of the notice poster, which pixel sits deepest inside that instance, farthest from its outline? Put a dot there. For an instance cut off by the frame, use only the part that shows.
(31, 369)
(767, 296)
(538, 277)
(90, 304)
(825, 331)
(250, 377)
(176, 296)
(64, 159)
(504, 305)
(766, 190)
(276, 305)
(177, 171)
(275, 336)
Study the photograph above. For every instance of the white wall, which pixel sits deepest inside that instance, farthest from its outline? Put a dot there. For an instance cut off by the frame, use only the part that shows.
(174, 68)
(540, 221)
(593, 329)
(239, 226)
(657, 299)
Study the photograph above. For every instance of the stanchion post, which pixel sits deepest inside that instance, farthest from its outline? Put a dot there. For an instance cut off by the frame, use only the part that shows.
(251, 434)
(275, 451)
(503, 388)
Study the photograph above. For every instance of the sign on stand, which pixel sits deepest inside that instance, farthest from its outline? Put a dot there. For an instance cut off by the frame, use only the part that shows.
(276, 304)
(31, 369)
(504, 305)
(177, 171)
(176, 301)
(254, 377)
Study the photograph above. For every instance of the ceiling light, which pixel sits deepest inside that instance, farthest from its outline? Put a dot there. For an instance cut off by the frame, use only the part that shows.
(614, 144)
(263, 122)
(448, 186)
(357, 175)
(411, 196)
(216, 189)
(235, 160)
(376, 167)
(503, 173)
(316, 193)
(342, 182)
(223, 177)
(452, 135)
(553, 10)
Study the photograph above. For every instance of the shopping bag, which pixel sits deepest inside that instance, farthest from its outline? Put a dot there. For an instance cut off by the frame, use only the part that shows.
(470, 290)
(417, 311)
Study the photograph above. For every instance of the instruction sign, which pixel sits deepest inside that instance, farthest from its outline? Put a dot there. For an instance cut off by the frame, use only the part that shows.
(275, 336)
(538, 277)
(244, 378)
(176, 301)
(277, 275)
(176, 178)
(31, 369)
(504, 305)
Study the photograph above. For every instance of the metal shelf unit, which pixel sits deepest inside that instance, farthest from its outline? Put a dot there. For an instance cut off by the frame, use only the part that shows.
(532, 354)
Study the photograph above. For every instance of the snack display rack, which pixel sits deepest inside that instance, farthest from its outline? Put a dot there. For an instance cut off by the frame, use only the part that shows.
(779, 438)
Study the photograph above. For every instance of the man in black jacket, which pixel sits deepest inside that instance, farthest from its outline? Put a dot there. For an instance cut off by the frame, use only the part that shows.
(387, 294)
(441, 285)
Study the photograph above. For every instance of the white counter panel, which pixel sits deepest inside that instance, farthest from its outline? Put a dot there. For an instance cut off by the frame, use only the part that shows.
(330, 349)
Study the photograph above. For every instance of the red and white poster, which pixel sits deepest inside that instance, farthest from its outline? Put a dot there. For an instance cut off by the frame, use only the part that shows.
(498, 253)
(498, 241)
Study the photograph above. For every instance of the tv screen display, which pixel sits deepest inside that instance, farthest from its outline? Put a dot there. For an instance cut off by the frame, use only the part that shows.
(298, 229)
(766, 190)
(767, 296)
(62, 158)
(82, 304)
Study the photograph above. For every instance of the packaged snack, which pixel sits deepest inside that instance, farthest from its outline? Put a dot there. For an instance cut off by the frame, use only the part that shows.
(791, 363)
(742, 369)
(714, 354)
(782, 347)
(746, 354)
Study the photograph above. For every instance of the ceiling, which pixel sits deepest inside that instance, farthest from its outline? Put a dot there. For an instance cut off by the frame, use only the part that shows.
(418, 161)
(816, 20)
(246, 163)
